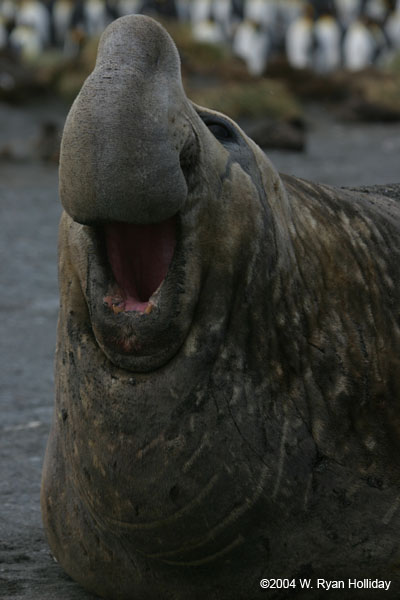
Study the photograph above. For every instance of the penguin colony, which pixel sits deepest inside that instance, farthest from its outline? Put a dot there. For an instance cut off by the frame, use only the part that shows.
(322, 35)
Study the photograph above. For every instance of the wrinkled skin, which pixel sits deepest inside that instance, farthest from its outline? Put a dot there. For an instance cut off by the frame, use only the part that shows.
(242, 420)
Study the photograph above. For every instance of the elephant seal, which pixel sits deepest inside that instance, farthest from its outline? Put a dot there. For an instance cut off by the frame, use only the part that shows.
(228, 354)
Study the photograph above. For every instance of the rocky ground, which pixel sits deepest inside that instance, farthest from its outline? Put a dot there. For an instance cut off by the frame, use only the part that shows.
(337, 153)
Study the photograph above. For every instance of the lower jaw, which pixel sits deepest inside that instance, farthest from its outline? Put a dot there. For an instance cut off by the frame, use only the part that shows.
(135, 335)
(135, 353)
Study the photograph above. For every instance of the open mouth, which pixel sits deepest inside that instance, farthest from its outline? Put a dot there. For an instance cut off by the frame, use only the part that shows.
(139, 256)
(135, 286)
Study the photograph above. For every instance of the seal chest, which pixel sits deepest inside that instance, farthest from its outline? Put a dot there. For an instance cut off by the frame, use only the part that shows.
(227, 350)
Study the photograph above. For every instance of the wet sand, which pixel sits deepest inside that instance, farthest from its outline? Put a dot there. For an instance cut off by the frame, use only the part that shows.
(340, 154)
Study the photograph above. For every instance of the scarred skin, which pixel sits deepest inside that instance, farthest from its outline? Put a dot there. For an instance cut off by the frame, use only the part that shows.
(247, 425)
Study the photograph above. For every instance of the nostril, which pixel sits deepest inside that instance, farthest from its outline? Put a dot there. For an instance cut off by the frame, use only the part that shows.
(188, 157)
(186, 164)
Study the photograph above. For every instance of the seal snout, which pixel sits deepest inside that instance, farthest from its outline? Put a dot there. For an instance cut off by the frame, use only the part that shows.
(139, 257)
(123, 139)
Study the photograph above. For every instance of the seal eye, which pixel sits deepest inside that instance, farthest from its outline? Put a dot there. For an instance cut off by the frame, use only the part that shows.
(220, 131)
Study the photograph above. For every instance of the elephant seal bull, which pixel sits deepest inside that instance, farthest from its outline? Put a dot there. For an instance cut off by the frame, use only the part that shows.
(227, 364)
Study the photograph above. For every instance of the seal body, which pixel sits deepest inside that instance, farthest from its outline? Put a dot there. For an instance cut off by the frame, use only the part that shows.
(227, 402)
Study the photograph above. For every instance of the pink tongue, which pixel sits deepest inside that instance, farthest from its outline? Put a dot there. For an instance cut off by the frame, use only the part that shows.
(139, 256)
